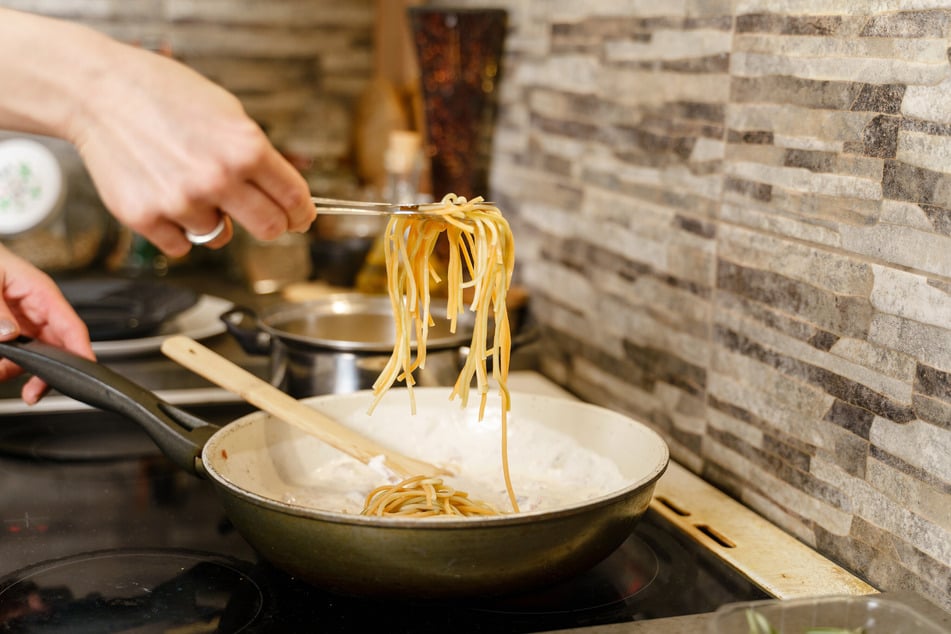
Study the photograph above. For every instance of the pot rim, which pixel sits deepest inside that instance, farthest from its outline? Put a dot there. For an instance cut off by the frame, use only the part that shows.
(271, 320)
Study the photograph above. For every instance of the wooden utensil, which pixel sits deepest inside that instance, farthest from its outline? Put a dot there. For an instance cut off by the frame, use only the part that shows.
(258, 392)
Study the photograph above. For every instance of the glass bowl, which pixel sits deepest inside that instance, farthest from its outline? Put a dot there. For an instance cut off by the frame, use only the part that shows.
(825, 615)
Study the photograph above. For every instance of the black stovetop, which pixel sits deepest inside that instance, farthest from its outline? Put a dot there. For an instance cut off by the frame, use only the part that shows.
(100, 533)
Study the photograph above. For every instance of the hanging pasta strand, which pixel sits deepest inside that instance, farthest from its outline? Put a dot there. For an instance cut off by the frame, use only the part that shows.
(480, 249)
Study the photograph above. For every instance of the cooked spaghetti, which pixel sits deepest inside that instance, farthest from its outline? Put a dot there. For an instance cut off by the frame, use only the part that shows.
(481, 260)
(422, 496)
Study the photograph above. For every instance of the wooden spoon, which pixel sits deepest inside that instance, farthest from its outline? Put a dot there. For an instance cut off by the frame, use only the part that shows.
(258, 392)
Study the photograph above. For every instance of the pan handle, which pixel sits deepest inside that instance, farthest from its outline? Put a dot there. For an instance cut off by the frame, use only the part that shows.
(242, 323)
(179, 434)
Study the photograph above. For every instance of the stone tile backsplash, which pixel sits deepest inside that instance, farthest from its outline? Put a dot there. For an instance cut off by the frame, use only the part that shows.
(734, 217)
(735, 220)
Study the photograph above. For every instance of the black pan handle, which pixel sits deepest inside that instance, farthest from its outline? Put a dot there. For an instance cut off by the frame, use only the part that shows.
(243, 324)
(179, 434)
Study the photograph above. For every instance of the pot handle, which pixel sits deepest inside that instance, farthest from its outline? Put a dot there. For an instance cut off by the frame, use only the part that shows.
(179, 434)
(252, 339)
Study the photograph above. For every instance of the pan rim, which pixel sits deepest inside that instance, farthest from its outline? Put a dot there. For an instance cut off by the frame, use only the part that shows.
(437, 523)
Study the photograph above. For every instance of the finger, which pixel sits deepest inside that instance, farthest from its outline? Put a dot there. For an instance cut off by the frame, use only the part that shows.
(9, 329)
(224, 237)
(255, 211)
(167, 237)
(56, 323)
(40, 310)
(9, 326)
(287, 187)
(33, 390)
(64, 329)
(197, 222)
(172, 239)
(32, 304)
(67, 330)
(211, 236)
(9, 370)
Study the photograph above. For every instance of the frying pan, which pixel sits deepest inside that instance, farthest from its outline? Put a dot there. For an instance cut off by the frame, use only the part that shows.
(125, 309)
(254, 461)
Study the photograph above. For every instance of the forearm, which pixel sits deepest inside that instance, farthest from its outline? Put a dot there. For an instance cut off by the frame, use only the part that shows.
(46, 68)
(168, 150)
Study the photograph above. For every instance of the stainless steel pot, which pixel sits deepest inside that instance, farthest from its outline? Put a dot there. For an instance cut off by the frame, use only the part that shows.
(340, 343)
(254, 461)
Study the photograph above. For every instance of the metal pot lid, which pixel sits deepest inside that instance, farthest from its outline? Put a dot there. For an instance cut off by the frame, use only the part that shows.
(355, 322)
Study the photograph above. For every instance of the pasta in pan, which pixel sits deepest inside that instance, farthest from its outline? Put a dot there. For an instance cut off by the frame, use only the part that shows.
(481, 260)
(422, 496)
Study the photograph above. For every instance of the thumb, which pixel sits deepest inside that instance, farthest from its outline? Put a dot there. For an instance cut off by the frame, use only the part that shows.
(34, 388)
(9, 329)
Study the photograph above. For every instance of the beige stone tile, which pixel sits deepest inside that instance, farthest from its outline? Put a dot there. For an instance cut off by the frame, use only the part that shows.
(929, 501)
(918, 443)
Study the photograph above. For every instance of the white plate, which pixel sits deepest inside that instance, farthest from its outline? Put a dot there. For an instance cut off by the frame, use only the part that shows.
(198, 322)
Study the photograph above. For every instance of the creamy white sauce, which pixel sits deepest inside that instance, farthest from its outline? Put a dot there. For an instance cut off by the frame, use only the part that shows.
(549, 469)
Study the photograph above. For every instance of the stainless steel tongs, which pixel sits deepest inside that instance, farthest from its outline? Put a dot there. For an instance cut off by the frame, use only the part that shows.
(356, 207)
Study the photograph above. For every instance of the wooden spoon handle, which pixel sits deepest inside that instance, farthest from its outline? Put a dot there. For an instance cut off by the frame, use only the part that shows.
(230, 376)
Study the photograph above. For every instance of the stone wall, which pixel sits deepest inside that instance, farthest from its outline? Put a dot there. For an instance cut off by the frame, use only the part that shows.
(735, 220)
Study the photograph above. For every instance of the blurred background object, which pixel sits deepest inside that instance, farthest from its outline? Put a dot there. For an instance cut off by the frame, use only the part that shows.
(38, 220)
(392, 98)
(32, 188)
(387, 153)
(459, 52)
(267, 266)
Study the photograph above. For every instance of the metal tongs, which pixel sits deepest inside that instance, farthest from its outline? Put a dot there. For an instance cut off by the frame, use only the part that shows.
(356, 207)
(336, 206)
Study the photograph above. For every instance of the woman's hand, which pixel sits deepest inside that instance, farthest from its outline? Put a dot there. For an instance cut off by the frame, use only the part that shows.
(168, 150)
(32, 305)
